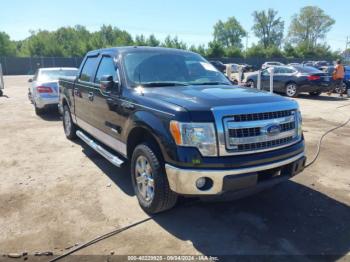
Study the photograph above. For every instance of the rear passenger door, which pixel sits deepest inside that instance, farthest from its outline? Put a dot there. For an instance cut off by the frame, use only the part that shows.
(84, 90)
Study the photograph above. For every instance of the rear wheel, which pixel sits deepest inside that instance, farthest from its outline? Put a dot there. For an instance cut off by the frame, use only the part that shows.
(150, 181)
(38, 111)
(1, 93)
(250, 83)
(340, 89)
(291, 90)
(68, 125)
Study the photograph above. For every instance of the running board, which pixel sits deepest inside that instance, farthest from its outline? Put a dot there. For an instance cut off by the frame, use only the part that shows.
(99, 149)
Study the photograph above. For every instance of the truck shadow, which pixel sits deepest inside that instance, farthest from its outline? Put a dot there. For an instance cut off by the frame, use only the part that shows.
(119, 176)
(289, 219)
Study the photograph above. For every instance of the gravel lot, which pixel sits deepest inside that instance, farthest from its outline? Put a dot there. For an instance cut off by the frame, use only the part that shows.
(55, 193)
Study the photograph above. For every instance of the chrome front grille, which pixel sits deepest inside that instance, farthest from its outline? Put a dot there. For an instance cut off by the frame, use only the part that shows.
(250, 128)
(264, 145)
(260, 131)
(262, 116)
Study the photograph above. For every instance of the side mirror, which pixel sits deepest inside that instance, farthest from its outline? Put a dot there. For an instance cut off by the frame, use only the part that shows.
(30, 80)
(109, 85)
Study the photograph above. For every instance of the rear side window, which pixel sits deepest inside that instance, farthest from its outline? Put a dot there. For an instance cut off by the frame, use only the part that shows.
(106, 67)
(88, 69)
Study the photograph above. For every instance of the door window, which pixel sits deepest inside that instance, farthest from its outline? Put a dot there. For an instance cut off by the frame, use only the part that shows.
(107, 67)
(88, 69)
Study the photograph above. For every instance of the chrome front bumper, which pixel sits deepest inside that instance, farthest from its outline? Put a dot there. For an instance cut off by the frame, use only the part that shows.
(183, 181)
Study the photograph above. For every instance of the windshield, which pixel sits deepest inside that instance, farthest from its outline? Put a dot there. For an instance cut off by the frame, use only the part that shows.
(53, 75)
(170, 69)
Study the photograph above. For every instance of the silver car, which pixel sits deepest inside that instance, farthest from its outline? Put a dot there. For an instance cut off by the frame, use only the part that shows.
(43, 91)
(271, 64)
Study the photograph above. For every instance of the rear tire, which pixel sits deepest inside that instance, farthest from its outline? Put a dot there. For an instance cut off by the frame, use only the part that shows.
(340, 90)
(250, 83)
(149, 180)
(38, 111)
(1, 93)
(291, 90)
(68, 125)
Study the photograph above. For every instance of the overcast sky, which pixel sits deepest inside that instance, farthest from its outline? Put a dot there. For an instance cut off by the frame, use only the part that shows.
(191, 20)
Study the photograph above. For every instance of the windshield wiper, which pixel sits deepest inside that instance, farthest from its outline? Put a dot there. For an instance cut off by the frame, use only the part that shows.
(160, 84)
(210, 83)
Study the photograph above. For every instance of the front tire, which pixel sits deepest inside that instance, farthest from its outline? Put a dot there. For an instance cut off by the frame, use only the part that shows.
(68, 125)
(291, 90)
(149, 180)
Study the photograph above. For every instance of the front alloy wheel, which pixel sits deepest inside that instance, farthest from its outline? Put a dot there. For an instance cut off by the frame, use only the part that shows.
(150, 180)
(291, 90)
(144, 178)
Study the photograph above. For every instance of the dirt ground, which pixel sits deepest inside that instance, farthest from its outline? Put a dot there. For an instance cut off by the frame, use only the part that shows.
(55, 193)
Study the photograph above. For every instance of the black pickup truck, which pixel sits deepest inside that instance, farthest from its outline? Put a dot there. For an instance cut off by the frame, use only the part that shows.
(185, 129)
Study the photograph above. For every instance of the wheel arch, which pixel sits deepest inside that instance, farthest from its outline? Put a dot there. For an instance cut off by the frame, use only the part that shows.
(139, 135)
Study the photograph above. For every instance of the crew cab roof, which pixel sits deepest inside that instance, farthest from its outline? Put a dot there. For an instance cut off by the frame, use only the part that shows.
(132, 49)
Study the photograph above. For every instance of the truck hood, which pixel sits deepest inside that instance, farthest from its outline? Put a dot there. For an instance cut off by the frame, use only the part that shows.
(203, 98)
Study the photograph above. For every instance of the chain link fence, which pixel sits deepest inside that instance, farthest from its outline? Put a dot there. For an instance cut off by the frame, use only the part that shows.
(28, 65)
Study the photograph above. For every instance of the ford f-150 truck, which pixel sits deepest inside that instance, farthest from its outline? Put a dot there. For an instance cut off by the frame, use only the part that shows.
(183, 127)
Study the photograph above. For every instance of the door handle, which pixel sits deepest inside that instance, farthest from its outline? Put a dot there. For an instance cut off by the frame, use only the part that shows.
(91, 96)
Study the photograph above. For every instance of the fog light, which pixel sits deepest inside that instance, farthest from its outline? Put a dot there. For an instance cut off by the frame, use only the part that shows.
(200, 183)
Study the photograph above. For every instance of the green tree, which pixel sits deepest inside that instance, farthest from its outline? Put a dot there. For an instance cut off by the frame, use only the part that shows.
(229, 34)
(200, 49)
(140, 40)
(268, 27)
(310, 26)
(174, 43)
(215, 50)
(7, 47)
(152, 41)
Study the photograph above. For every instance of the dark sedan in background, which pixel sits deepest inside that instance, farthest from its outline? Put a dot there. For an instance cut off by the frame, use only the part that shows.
(292, 80)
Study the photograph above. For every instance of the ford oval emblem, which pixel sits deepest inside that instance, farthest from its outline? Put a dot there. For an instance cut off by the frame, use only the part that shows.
(273, 130)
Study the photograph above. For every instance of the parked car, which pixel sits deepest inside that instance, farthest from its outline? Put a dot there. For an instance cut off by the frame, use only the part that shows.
(320, 64)
(293, 64)
(43, 91)
(219, 65)
(346, 83)
(308, 63)
(292, 80)
(271, 64)
(184, 128)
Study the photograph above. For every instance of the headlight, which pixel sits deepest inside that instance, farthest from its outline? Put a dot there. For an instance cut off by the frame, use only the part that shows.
(199, 135)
